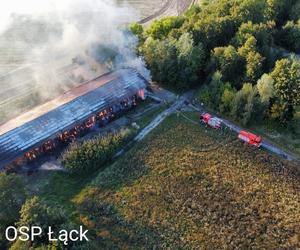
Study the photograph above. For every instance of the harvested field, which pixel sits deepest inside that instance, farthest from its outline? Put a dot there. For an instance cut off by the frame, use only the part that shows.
(188, 187)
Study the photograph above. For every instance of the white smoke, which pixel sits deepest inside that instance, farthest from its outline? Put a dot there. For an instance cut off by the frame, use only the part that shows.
(54, 33)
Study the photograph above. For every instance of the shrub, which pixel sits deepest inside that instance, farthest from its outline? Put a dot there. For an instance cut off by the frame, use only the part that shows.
(204, 95)
(94, 153)
(227, 99)
(12, 197)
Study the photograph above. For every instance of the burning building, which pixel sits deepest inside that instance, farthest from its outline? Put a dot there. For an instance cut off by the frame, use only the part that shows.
(61, 120)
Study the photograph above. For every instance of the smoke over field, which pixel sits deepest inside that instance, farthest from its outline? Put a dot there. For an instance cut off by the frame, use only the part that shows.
(47, 47)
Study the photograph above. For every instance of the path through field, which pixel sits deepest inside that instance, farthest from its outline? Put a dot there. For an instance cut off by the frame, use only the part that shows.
(155, 122)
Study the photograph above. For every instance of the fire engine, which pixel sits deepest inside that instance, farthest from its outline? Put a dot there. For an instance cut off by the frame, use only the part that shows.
(211, 121)
(249, 138)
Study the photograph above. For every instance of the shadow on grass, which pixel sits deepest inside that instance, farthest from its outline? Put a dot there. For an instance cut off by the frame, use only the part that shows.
(109, 230)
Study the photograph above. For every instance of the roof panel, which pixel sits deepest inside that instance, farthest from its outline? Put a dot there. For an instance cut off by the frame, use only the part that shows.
(21, 134)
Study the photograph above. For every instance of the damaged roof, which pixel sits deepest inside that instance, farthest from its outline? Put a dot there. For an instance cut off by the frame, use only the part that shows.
(33, 128)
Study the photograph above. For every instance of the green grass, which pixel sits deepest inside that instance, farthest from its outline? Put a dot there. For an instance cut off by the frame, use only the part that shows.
(285, 137)
(58, 188)
(144, 121)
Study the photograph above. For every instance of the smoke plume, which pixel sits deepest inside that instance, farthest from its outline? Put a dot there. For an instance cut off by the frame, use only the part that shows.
(47, 47)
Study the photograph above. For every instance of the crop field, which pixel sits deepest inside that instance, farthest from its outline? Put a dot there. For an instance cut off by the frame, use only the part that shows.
(144, 8)
(186, 187)
(27, 81)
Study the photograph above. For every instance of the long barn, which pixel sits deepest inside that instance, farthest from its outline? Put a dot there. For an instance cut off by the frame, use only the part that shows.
(62, 119)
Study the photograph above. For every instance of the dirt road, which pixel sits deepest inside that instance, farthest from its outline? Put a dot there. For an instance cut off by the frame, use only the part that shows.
(177, 105)
(265, 144)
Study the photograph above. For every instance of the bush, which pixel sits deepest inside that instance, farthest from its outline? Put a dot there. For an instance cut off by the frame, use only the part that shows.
(244, 103)
(227, 99)
(12, 197)
(94, 153)
(204, 95)
(37, 212)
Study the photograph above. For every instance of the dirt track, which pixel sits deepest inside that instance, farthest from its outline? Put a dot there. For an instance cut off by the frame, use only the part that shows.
(265, 144)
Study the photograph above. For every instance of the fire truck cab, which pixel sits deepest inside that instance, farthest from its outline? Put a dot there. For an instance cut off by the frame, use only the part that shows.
(211, 121)
(249, 138)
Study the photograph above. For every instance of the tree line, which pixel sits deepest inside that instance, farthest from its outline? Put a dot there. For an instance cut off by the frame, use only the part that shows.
(236, 52)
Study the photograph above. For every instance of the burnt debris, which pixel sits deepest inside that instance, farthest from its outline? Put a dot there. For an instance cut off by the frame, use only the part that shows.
(61, 120)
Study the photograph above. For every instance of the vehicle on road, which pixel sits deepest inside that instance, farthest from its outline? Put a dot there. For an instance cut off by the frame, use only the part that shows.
(211, 121)
(249, 138)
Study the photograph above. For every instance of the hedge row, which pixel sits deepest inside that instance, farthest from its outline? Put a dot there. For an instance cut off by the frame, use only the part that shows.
(83, 157)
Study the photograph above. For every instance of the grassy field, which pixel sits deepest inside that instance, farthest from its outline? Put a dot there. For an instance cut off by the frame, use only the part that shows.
(287, 138)
(185, 187)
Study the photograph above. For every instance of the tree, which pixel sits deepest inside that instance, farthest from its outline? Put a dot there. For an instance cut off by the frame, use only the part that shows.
(214, 31)
(251, 10)
(204, 95)
(137, 29)
(243, 105)
(295, 11)
(286, 75)
(250, 105)
(254, 68)
(160, 29)
(254, 60)
(249, 46)
(216, 86)
(36, 212)
(176, 63)
(227, 98)
(289, 37)
(262, 32)
(161, 58)
(12, 197)
(81, 158)
(265, 86)
(279, 10)
(190, 60)
(193, 11)
(228, 62)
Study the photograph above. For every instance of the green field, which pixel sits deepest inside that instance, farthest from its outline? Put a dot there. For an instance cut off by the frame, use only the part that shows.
(184, 187)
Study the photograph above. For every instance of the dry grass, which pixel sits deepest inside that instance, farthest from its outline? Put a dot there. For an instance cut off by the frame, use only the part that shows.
(183, 188)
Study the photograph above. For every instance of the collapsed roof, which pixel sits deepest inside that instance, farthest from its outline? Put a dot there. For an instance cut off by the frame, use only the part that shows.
(47, 121)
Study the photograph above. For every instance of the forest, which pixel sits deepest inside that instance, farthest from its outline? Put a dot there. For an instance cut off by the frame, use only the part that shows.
(241, 55)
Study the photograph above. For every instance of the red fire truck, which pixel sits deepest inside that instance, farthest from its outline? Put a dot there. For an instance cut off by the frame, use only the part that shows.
(211, 121)
(250, 138)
